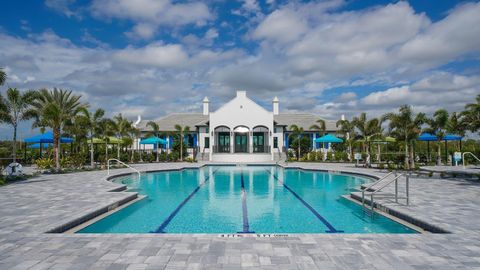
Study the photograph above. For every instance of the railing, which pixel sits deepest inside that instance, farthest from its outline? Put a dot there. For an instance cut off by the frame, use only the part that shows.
(221, 148)
(261, 149)
(378, 181)
(463, 158)
(385, 184)
(123, 163)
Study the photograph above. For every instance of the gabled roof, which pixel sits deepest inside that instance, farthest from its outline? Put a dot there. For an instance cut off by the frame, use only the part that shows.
(304, 120)
(168, 122)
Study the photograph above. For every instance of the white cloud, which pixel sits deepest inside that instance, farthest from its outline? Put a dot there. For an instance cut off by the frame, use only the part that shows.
(62, 6)
(148, 15)
(281, 25)
(154, 55)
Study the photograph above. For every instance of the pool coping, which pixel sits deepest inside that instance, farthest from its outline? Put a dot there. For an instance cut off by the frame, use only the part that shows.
(111, 208)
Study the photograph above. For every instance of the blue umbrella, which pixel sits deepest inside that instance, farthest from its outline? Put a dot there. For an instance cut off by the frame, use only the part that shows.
(451, 137)
(46, 137)
(427, 137)
(153, 140)
(36, 146)
(329, 138)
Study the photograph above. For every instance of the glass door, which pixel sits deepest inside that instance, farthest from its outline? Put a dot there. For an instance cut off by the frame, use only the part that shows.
(258, 142)
(224, 142)
(241, 142)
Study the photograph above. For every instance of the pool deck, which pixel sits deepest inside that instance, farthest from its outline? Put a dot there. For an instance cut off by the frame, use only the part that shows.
(31, 208)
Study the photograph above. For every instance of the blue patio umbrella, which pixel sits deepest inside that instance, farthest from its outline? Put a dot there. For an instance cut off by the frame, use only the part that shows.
(36, 146)
(427, 137)
(451, 137)
(329, 138)
(46, 137)
(153, 140)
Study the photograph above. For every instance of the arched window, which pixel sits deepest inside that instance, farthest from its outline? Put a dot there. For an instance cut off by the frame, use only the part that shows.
(260, 129)
(241, 129)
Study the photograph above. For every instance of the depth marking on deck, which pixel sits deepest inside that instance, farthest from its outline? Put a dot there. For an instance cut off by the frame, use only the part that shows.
(246, 226)
(167, 221)
(330, 227)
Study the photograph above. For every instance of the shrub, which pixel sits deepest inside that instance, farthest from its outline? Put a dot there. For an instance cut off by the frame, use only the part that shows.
(45, 163)
(189, 159)
(330, 156)
(341, 156)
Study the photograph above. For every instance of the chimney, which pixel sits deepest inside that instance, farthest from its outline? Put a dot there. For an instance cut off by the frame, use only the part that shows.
(275, 106)
(205, 106)
(241, 93)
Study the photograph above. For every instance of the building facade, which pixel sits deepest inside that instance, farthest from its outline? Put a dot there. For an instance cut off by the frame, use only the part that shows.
(239, 131)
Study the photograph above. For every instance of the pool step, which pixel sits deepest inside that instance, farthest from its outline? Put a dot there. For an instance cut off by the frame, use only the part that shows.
(357, 196)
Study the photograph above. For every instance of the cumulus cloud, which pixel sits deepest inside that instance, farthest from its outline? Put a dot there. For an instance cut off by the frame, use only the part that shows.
(148, 15)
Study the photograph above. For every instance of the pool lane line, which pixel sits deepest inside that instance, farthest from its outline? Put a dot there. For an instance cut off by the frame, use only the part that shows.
(330, 227)
(246, 226)
(167, 221)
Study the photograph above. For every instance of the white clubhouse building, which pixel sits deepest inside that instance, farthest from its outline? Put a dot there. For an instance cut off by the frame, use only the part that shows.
(239, 131)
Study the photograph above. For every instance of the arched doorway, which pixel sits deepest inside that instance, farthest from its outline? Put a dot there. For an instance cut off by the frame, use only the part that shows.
(222, 140)
(241, 139)
(260, 139)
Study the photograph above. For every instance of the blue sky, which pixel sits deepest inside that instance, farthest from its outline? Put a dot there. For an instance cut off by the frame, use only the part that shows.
(153, 57)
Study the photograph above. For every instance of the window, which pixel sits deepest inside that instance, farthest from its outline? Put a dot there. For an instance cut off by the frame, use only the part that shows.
(207, 142)
(275, 142)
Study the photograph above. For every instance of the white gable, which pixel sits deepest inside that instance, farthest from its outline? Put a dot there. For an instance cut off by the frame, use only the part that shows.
(241, 111)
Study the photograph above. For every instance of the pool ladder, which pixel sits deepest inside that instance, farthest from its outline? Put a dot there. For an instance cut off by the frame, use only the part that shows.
(124, 164)
(373, 190)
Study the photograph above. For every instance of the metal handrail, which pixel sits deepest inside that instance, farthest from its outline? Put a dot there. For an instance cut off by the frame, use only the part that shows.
(379, 180)
(395, 179)
(123, 163)
(463, 158)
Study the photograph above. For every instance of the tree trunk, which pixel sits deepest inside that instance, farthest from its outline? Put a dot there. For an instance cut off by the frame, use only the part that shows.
(157, 153)
(412, 157)
(350, 149)
(118, 151)
(56, 144)
(106, 154)
(298, 157)
(406, 155)
(367, 160)
(181, 147)
(92, 162)
(379, 158)
(14, 143)
(439, 154)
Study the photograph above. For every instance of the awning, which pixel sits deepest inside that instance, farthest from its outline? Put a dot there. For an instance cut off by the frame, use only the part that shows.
(427, 137)
(153, 140)
(451, 137)
(37, 145)
(387, 139)
(46, 137)
(111, 140)
(329, 138)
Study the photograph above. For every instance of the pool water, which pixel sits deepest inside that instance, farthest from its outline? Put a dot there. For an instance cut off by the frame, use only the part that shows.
(244, 199)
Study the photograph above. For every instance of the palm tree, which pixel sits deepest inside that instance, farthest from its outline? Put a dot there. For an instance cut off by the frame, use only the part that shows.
(3, 76)
(181, 131)
(348, 131)
(297, 133)
(133, 133)
(155, 132)
(471, 115)
(367, 129)
(92, 123)
(437, 126)
(104, 131)
(406, 126)
(52, 109)
(120, 126)
(14, 108)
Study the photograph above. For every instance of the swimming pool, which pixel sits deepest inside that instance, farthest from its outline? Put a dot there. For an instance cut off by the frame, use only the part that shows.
(244, 199)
